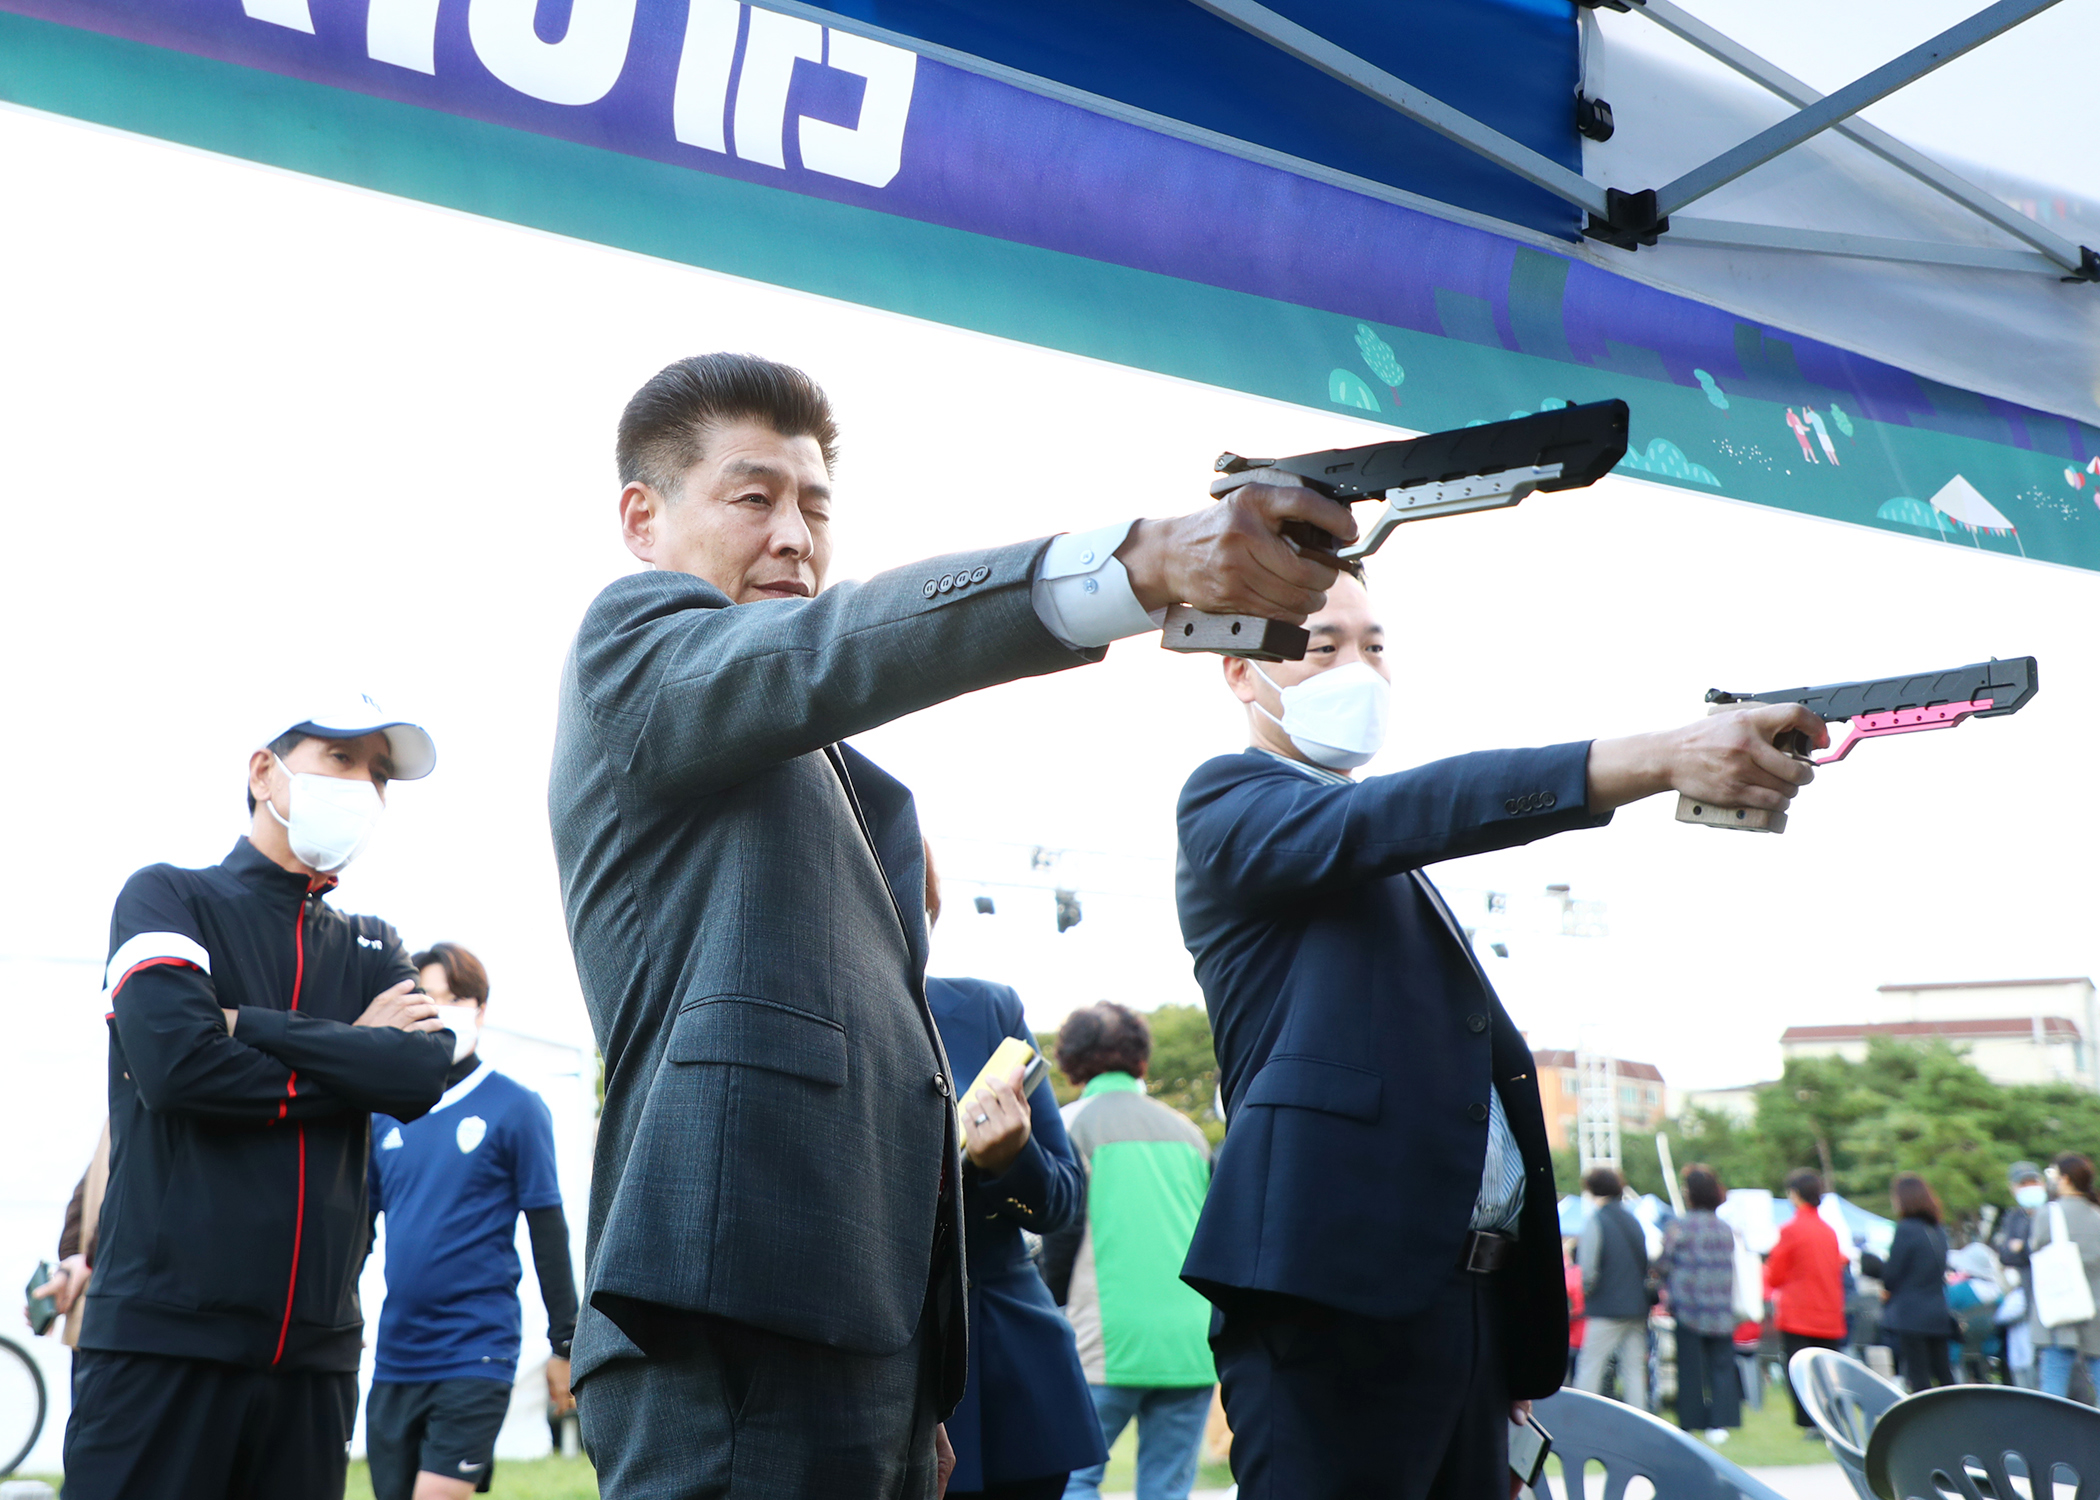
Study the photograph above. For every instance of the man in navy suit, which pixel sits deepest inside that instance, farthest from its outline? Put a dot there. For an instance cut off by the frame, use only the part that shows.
(1380, 1240)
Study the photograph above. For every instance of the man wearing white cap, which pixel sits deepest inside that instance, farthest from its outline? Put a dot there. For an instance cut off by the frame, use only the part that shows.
(253, 1031)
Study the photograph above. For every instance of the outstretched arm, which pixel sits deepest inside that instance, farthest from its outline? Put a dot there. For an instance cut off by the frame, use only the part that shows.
(1729, 760)
(692, 693)
(1278, 835)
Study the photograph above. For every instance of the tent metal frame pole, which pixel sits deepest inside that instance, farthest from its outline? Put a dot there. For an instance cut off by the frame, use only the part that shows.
(1979, 201)
(1732, 235)
(1957, 40)
(1287, 36)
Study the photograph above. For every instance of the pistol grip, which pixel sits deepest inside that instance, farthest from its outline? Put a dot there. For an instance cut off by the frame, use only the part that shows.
(1747, 819)
(1248, 636)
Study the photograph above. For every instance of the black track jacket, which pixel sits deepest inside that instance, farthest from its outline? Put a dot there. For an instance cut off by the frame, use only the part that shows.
(235, 1223)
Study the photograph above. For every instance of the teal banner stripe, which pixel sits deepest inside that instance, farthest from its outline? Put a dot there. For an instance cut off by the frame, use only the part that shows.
(1827, 463)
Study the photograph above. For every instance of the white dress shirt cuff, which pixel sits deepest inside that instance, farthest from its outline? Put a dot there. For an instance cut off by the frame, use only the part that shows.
(1082, 594)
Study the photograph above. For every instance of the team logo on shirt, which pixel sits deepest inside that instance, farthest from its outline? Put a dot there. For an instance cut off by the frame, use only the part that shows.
(470, 1132)
(392, 1141)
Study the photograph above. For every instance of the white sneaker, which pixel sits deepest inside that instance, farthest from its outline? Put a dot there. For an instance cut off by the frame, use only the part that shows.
(1717, 1435)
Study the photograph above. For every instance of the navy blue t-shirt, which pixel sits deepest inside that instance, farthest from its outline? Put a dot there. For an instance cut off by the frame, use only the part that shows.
(452, 1186)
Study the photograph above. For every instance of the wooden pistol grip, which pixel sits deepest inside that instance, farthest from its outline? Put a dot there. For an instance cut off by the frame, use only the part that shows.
(1248, 636)
(1745, 819)
(1748, 819)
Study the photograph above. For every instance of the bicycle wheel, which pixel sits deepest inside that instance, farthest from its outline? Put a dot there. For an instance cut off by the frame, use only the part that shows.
(21, 1405)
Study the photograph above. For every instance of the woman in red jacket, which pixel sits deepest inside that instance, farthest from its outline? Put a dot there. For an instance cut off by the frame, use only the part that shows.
(1805, 1279)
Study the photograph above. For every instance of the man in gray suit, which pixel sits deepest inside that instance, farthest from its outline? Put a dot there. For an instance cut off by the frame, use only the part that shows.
(773, 1301)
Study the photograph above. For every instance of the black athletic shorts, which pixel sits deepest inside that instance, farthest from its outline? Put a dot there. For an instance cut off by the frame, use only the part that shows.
(443, 1427)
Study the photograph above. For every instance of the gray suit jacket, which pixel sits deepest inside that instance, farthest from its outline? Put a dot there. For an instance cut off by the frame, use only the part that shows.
(777, 1130)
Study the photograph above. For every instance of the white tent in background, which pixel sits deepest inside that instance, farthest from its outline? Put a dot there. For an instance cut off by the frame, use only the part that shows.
(1959, 501)
(1748, 1211)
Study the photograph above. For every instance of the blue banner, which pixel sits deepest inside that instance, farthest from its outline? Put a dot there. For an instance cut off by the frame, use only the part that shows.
(768, 146)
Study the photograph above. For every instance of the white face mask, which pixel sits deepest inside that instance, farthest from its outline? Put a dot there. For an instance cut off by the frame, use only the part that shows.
(464, 1022)
(1336, 718)
(2030, 1195)
(331, 818)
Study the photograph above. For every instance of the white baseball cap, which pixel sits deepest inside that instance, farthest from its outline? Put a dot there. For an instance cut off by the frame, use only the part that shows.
(347, 716)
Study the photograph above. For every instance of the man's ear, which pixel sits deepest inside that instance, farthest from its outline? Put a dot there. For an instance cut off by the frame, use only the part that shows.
(259, 765)
(641, 513)
(1239, 676)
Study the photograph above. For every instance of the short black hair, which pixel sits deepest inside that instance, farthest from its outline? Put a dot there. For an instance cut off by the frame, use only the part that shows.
(1603, 1182)
(1103, 1038)
(1702, 1187)
(1806, 1185)
(664, 430)
(280, 747)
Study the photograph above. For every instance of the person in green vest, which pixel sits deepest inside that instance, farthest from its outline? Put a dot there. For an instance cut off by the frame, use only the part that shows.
(1143, 1332)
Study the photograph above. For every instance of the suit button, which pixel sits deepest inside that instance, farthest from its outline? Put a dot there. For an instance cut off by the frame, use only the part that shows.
(1476, 1112)
(932, 587)
(962, 579)
(1548, 800)
(980, 573)
(940, 1085)
(1510, 807)
(1476, 1024)
(947, 582)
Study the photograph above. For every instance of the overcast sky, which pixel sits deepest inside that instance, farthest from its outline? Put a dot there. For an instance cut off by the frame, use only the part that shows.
(257, 429)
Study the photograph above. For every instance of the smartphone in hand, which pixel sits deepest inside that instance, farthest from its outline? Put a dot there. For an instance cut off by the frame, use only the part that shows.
(43, 1311)
(1529, 1443)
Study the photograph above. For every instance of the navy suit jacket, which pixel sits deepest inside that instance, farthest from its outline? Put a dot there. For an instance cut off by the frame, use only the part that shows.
(1357, 1037)
(1026, 1412)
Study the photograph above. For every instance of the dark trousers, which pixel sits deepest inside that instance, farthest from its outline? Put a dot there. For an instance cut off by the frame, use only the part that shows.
(1328, 1406)
(1922, 1359)
(193, 1429)
(1048, 1487)
(721, 1408)
(1794, 1343)
(1706, 1384)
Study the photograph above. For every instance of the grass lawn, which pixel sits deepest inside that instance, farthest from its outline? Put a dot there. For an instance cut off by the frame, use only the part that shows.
(1767, 1438)
(515, 1479)
(1770, 1437)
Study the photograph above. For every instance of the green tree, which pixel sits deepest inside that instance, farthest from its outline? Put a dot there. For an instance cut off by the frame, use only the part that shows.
(1906, 1107)
(1638, 1164)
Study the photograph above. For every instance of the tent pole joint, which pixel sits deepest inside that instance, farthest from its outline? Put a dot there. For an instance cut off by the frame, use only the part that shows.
(1629, 220)
(2088, 265)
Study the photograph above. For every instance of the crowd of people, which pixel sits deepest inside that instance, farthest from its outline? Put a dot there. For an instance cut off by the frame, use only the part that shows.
(818, 1261)
(1934, 1312)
